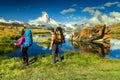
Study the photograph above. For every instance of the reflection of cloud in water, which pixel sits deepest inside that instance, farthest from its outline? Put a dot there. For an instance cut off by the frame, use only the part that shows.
(67, 36)
(114, 44)
(44, 48)
(114, 49)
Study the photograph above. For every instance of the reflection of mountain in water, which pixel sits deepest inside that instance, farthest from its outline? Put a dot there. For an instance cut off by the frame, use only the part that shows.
(101, 49)
(42, 40)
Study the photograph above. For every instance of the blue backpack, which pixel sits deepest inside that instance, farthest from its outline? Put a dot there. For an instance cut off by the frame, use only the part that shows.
(28, 38)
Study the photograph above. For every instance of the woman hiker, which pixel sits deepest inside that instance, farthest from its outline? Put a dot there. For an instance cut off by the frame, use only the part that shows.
(23, 49)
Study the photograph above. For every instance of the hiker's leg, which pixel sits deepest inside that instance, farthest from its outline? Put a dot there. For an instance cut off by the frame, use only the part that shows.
(53, 53)
(58, 54)
(26, 55)
(59, 57)
(23, 53)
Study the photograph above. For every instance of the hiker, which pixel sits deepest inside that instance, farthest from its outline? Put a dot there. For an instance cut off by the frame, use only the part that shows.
(25, 42)
(54, 46)
(20, 43)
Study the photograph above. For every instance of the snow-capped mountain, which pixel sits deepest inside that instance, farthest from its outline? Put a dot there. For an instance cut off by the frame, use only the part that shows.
(10, 21)
(44, 20)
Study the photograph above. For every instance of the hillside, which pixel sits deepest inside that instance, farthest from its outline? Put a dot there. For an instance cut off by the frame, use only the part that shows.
(115, 28)
(115, 31)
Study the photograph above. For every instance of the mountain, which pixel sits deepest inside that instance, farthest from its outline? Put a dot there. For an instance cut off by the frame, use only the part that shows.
(44, 20)
(10, 21)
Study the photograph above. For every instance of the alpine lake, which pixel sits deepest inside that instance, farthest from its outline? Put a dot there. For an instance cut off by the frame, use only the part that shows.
(41, 44)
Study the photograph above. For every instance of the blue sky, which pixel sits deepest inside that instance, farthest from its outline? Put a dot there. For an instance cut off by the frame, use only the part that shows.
(59, 10)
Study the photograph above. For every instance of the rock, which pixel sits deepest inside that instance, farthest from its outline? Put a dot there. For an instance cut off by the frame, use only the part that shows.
(97, 33)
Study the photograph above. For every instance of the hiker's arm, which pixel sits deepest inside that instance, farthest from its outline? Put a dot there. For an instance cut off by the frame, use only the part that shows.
(20, 41)
(52, 41)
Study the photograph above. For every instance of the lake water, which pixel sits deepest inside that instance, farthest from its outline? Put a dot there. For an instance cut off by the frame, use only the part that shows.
(106, 50)
(37, 49)
(114, 49)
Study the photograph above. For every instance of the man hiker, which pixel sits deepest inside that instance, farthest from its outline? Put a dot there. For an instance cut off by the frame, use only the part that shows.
(54, 47)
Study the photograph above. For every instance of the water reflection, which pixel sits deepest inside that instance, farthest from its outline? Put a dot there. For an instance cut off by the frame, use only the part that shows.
(34, 50)
(41, 47)
(114, 49)
(101, 49)
(107, 50)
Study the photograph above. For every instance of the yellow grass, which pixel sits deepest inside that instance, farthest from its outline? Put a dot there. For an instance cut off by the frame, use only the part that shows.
(16, 31)
(39, 30)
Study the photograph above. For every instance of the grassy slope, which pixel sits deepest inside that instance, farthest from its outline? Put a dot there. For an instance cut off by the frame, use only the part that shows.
(115, 31)
(115, 27)
(75, 66)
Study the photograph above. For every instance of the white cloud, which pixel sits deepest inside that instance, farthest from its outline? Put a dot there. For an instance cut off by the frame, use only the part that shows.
(118, 5)
(115, 44)
(68, 11)
(2, 20)
(111, 3)
(115, 15)
(99, 18)
(88, 9)
(98, 7)
(73, 18)
(74, 5)
(92, 10)
(69, 26)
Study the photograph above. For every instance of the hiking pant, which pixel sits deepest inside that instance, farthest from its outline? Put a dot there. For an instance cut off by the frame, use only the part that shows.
(55, 53)
(24, 54)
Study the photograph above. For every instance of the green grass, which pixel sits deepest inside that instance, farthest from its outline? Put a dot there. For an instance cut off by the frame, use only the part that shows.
(5, 50)
(6, 44)
(75, 66)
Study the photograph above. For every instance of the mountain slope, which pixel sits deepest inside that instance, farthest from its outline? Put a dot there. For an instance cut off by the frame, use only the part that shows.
(44, 20)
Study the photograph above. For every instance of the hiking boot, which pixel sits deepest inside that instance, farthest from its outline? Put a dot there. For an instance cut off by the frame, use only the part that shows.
(52, 63)
(60, 61)
(25, 63)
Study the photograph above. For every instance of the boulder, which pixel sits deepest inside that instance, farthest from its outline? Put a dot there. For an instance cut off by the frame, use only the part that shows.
(97, 33)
